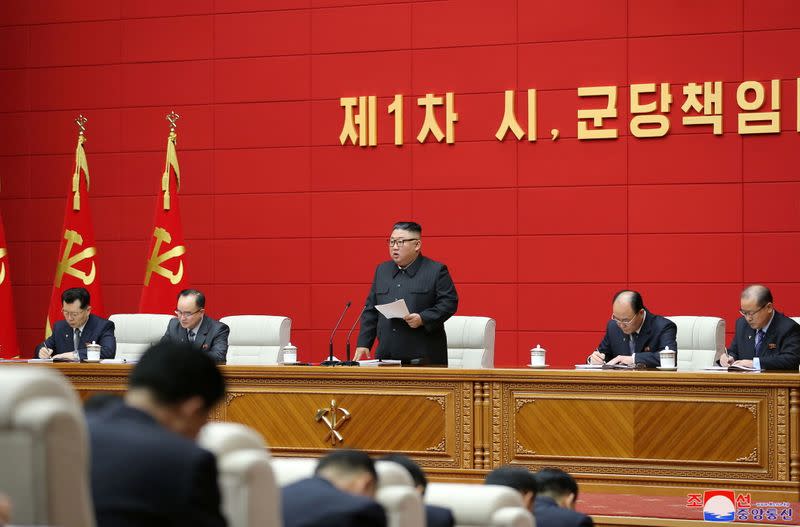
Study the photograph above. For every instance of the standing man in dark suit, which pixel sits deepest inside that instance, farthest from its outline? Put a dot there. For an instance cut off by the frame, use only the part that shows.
(764, 337)
(193, 326)
(146, 468)
(430, 296)
(341, 494)
(556, 495)
(634, 335)
(79, 328)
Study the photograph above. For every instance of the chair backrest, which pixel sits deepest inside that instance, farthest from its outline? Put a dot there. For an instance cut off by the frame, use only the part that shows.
(700, 341)
(796, 319)
(470, 342)
(44, 452)
(257, 339)
(250, 494)
(135, 332)
(474, 505)
(396, 493)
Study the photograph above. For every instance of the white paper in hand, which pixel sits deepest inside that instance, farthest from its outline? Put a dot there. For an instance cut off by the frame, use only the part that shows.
(396, 309)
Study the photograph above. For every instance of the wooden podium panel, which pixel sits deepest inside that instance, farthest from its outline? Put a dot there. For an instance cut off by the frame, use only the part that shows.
(616, 431)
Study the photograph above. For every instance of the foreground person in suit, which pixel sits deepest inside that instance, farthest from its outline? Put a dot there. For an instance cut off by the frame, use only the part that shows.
(518, 478)
(79, 328)
(146, 469)
(341, 494)
(764, 337)
(435, 516)
(634, 334)
(192, 325)
(556, 495)
(430, 296)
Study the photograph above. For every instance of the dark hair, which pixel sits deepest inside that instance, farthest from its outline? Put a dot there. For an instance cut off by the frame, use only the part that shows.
(409, 226)
(517, 478)
(637, 304)
(199, 297)
(174, 372)
(555, 482)
(761, 293)
(415, 470)
(347, 461)
(76, 293)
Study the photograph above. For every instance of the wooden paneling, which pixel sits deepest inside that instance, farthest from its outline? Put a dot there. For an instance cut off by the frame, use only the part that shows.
(639, 431)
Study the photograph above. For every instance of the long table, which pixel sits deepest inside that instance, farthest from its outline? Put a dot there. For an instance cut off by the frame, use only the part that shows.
(617, 431)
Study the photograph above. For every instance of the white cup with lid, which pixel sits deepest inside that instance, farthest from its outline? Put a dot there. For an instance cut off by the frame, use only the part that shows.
(93, 351)
(667, 357)
(538, 356)
(289, 354)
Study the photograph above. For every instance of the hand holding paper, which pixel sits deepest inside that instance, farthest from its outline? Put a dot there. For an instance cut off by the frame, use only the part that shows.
(396, 309)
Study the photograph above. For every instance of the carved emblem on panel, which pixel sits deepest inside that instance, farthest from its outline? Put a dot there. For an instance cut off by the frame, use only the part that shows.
(752, 458)
(522, 450)
(749, 406)
(437, 448)
(437, 399)
(333, 417)
(522, 401)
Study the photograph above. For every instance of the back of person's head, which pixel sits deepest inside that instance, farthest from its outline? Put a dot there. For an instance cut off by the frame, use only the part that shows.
(518, 478)
(178, 384)
(557, 484)
(417, 474)
(349, 470)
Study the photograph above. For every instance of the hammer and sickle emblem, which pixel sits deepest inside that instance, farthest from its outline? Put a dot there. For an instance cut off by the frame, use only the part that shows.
(156, 259)
(332, 421)
(67, 263)
(3, 253)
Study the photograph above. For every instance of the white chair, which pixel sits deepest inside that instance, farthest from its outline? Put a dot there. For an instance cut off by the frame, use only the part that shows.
(796, 319)
(701, 340)
(257, 339)
(470, 342)
(396, 493)
(480, 505)
(250, 494)
(44, 449)
(136, 332)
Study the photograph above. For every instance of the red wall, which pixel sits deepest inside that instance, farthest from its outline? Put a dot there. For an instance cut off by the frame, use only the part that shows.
(281, 219)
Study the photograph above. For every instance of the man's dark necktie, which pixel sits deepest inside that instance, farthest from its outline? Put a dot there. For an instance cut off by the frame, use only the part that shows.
(632, 343)
(192, 334)
(76, 339)
(759, 342)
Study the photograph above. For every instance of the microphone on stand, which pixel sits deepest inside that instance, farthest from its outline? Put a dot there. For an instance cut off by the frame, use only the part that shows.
(349, 362)
(330, 361)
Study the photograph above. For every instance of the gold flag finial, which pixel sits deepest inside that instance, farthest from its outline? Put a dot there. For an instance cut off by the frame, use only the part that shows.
(80, 164)
(172, 159)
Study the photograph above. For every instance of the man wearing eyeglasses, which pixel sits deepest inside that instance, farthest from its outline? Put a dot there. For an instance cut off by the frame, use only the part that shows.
(430, 296)
(764, 338)
(191, 325)
(80, 327)
(634, 335)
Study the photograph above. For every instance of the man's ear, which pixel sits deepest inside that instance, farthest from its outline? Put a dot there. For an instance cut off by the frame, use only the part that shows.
(527, 499)
(190, 406)
(568, 501)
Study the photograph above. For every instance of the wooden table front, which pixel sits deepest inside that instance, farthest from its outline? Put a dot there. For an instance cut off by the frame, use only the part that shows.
(617, 431)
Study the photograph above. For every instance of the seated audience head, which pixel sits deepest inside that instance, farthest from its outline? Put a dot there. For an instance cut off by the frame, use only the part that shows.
(756, 305)
(405, 242)
(350, 471)
(518, 478)
(417, 474)
(558, 485)
(176, 385)
(190, 308)
(76, 306)
(627, 310)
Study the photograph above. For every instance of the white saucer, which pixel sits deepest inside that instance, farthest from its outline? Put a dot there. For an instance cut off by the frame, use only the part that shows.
(538, 366)
(666, 369)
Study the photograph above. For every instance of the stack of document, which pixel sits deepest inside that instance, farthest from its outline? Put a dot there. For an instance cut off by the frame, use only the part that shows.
(379, 362)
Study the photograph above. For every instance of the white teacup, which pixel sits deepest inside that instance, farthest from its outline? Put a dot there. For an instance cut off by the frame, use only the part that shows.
(93, 351)
(537, 356)
(667, 357)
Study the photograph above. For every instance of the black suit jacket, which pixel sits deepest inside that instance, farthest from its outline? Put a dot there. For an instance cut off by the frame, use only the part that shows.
(429, 291)
(97, 330)
(549, 514)
(144, 475)
(781, 348)
(212, 337)
(655, 334)
(436, 516)
(315, 502)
